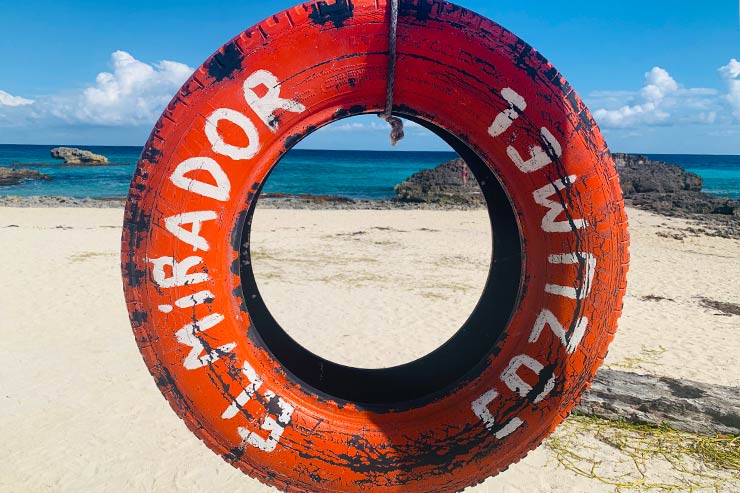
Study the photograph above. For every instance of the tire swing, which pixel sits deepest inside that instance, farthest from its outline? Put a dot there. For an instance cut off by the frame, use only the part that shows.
(516, 367)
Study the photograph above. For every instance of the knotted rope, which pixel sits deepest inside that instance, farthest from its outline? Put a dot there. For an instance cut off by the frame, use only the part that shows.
(395, 122)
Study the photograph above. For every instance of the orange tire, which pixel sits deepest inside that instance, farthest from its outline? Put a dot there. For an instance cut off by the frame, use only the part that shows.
(528, 351)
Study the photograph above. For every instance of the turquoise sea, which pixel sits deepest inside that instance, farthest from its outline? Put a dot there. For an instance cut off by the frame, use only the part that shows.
(354, 174)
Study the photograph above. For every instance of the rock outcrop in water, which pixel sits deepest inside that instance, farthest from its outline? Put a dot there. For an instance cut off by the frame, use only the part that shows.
(667, 188)
(652, 185)
(11, 176)
(72, 155)
(638, 174)
(441, 185)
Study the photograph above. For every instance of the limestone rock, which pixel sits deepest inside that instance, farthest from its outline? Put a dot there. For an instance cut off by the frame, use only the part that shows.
(441, 185)
(652, 185)
(12, 176)
(668, 189)
(682, 404)
(72, 155)
(638, 174)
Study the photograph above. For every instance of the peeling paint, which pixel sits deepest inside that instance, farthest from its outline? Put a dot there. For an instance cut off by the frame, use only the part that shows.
(337, 13)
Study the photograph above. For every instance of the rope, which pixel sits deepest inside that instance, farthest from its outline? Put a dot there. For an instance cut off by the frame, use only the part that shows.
(395, 122)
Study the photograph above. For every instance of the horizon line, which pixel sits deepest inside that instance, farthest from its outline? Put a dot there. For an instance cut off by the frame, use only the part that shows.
(82, 146)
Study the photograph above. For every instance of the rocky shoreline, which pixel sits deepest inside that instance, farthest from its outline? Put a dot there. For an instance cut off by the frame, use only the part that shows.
(668, 189)
(654, 186)
(658, 187)
(52, 201)
(312, 202)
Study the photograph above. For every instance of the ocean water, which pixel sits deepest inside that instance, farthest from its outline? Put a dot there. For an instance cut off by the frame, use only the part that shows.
(721, 174)
(354, 174)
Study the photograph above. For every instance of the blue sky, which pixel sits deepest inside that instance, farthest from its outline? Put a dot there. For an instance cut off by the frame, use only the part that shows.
(659, 76)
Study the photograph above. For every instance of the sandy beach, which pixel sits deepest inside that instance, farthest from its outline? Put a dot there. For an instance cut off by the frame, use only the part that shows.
(80, 412)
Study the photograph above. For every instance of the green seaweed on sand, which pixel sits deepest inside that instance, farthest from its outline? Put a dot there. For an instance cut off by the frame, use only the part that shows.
(697, 462)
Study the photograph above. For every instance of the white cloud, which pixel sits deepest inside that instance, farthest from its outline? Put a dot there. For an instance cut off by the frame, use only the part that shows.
(368, 123)
(659, 85)
(351, 127)
(7, 99)
(134, 93)
(731, 74)
(661, 101)
(367, 131)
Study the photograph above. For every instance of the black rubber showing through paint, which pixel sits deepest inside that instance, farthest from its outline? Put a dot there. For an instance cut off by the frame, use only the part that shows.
(336, 13)
(413, 384)
(224, 64)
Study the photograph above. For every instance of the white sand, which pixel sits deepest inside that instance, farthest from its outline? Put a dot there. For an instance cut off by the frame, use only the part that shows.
(79, 411)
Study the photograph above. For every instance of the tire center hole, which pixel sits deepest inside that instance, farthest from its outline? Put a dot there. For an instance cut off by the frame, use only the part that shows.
(368, 288)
